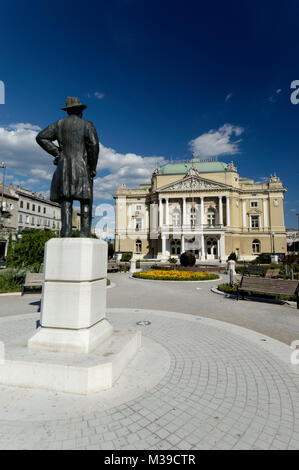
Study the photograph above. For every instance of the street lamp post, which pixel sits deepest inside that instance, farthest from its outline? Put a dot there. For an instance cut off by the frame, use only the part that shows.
(2, 165)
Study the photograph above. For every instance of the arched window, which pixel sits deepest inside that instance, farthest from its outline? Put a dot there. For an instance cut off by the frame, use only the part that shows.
(256, 246)
(138, 246)
(176, 247)
(211, 216)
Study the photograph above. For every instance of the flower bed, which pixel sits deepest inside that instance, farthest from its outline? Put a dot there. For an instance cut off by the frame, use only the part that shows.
(160, 275)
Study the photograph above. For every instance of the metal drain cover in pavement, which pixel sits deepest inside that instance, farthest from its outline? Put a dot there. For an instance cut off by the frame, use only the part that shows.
(143, 323)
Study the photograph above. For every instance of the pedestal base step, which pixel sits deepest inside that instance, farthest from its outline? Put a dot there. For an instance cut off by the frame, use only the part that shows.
(84, 340)
(71, 372)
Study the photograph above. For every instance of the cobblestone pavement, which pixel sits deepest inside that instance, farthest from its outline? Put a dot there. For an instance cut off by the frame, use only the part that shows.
(225, 388)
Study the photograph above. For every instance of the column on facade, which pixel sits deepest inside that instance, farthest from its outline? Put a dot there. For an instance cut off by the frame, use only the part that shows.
(167, 211)
(203, 254)
(129, 216)
(202, 211)
(160, 213)
(153, 219)
(222, 254)
(163, 246)
(184, 211)
(220, 211)
(227, 211)
(146, 217)
(183, 244)
(265, 203)
(244, 213)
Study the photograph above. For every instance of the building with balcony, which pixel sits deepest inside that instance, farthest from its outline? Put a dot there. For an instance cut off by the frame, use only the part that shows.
(37, 212)
(9, 217)
(202, 206)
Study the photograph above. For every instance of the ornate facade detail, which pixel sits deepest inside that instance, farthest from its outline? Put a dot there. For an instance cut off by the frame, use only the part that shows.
(231, 167)
(156, 172)
(192, 172)
(274, 179)
(193, 183)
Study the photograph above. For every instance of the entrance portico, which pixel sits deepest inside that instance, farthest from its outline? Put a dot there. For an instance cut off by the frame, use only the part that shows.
(205, 246)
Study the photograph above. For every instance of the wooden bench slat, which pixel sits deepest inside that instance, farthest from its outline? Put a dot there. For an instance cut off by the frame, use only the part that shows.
(270, 286)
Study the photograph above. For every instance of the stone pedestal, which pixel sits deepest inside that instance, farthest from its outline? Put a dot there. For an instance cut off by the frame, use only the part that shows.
(133, 266)
(75, 350)
(74, 296)
(231, 266)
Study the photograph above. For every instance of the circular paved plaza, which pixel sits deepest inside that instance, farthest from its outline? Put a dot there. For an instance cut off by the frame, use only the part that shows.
(197, 383)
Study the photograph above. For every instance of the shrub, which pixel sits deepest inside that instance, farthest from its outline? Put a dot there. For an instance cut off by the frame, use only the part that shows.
(124, 268)
(126, 257)
(172, 260)
(187, 259)
(11, 281)
(263, 258)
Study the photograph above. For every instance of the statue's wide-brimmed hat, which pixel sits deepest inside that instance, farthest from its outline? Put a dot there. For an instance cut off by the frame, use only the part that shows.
(72, 103)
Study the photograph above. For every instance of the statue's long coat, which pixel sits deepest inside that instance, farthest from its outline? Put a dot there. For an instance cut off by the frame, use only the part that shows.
(77, 157)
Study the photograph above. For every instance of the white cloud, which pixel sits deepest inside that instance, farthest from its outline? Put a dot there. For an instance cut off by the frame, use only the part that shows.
(99, 95)
(217, 142)
(228, 96)
(18, 149)
(33, 168)
(129, 168)
(273, 98)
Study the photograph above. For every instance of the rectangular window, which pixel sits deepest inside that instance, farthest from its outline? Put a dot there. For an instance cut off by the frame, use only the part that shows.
(44, 210)
(255, 221)
(138, 225)
(20, 218)
(21, 204)
(254, 204)
(38, 208)
(28, 206)
(138, 207)
(32, 221)
(33, 207)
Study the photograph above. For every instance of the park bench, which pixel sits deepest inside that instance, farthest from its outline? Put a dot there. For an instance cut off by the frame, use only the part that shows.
(274, 272)
(268, 286)
(112, 267)
(32, 280)
(257, 270)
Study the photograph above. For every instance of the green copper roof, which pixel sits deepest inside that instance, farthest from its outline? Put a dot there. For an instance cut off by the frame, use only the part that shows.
(202, 167)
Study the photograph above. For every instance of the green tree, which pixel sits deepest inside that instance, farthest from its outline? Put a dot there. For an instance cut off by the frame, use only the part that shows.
(29, 250)
(110, 250)
(9, 254)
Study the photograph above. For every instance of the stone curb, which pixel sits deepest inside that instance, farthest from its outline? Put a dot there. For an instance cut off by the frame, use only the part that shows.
(188, 282)
(10, 293)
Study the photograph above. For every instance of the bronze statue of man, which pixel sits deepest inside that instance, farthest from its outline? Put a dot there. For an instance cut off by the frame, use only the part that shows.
(76, 158)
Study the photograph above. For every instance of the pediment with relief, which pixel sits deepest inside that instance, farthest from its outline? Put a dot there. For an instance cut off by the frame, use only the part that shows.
(192, 181)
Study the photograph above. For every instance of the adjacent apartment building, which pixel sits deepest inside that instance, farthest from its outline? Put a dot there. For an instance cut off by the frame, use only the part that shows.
(202, 206)
(23, 210)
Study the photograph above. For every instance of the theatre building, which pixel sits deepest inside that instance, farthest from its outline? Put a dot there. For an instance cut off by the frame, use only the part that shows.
(202, 206)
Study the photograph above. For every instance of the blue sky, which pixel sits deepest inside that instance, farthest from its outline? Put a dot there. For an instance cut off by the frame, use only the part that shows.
(155, 75)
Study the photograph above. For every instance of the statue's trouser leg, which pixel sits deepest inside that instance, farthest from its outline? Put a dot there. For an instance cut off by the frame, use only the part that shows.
(86, 216)
(66, 219)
